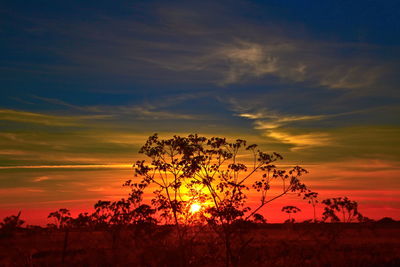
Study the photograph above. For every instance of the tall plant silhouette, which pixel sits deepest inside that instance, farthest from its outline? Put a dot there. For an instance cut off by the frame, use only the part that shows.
(219, 172)
(312, 198)
(341, 209)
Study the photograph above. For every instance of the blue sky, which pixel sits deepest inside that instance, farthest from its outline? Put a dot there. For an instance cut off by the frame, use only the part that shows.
(85, 83)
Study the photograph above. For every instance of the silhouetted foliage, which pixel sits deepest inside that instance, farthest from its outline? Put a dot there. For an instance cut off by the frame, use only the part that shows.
(10, 224)
(290, 210)
(124, 211)
(387, 220)
(311, 197)
(84, 220)
(258, 218)
(341, 209)
(210, 169)
(61, 217)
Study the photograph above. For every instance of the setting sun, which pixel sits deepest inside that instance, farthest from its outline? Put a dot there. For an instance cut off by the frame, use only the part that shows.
(200, 133)
(195, 208)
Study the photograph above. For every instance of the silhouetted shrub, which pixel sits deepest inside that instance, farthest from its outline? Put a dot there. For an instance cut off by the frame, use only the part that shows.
(10, 225)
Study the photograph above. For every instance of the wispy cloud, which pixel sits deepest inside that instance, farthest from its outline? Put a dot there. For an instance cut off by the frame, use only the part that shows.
(272, 124)
(94, 166)
(95, 189)
(266, 119)
(211, 43)
(243, 56)
(295, 61)
(36, 118)
(248, 59)
(13, 152)
(352, 76)
(149, 110)
(41, 178)
(188, 48)
(319, 130)
(35, 190)
(300, 141)
(44, 119)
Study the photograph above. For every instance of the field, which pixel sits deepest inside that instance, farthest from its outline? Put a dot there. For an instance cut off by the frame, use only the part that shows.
(373, 244)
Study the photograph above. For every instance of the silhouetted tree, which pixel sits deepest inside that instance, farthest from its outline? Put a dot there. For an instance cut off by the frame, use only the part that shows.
(258, 218)
(10, 224)
(289, 210)
(212, 169)
(83, 220)
(124, 212)
(341, 209)
(61, 217)
(386, 220)
(138, 212)
(102, 214)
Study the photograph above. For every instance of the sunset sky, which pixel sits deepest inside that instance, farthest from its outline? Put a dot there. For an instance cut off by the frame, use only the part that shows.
(84, 83)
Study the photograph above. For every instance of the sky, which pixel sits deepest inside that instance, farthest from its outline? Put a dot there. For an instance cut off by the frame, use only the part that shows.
(84, 83)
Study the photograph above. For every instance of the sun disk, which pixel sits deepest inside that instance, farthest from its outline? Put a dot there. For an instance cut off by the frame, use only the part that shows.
(195, 208)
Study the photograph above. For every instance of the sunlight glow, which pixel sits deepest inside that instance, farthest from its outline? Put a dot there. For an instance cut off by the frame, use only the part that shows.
(195, 208)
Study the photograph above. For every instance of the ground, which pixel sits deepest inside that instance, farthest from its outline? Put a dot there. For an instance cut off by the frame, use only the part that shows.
(369, 244)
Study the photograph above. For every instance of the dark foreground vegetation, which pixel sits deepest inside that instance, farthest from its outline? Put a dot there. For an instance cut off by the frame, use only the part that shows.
(290, 244)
